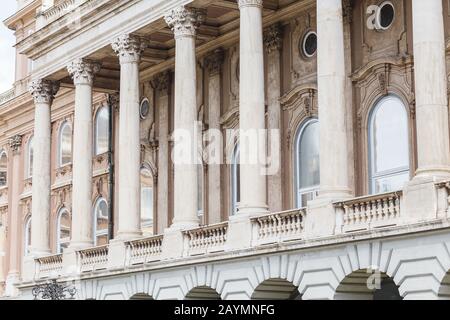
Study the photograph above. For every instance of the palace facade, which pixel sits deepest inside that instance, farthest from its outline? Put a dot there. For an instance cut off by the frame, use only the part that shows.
(353, 203)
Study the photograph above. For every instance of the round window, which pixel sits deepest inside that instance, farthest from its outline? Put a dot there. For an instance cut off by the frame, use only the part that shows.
(309, 44)
(144, 108)
(386, 15)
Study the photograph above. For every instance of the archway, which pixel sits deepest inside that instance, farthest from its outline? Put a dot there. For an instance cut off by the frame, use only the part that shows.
(444, 290)
(203, 293)
(276, 289)
(367, 285)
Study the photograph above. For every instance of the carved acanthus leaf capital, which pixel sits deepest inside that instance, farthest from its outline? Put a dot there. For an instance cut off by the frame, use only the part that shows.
(250, 3)
(129, 48)
(161, 82)
(272, 38)
(83, 71)
(214, 61)
(43, 91)
(184, 22)
(15, 143)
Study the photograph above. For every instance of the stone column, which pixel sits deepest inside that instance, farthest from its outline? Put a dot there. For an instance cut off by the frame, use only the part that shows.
(15, 222)
(213, 63)
(334, 178)
(184, 23)
(161, 83)
(273, 43)
(431, 90)
(82, 72)
(2, 254)
(252, 110)
(43, 92)
(129, 49)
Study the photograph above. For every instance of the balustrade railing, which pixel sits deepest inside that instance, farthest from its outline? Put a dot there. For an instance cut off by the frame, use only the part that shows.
(206, 239)
(279, 227)
(144, 251)
(365, 213)
(49, 267)
(93, 259)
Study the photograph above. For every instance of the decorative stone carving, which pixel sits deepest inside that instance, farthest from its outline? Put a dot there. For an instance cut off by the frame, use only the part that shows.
(348, 11)
(15, 143)
(113, 100)
(250, 3)
(161, 82)
(83, 71)
(272, 38)
(129, 48)
(214, 61)
(43, 91)
(184, 22)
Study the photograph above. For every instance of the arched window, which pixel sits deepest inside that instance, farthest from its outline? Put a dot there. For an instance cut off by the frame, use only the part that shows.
(3, 169)
(63, 230)
(65, 145)
(235, 180)
(307, 162)
(29, 172)
(147, 201)
(388, 145)
(101, 222)
(101, 131)
(27, 237)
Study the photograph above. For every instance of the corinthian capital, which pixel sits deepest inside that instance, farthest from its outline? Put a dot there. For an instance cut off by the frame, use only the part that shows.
(129, 48)
(185, 21)
(250, 3)
(44, 91)
(83, 71)
(15, 143)
(272, 38)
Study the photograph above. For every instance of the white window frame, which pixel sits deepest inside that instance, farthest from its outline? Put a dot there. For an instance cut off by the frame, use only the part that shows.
(58, 230)
(235, 188)
(4, 154)
(65, 125)
(96, 232)
(299, 192)
(26, 238)
(96, 148)
(388, 173)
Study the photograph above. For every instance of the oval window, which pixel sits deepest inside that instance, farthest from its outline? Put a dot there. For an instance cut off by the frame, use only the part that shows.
(309, 44)
(386, 15)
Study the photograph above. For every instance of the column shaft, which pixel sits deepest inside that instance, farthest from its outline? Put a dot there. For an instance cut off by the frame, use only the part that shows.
(82, 72)
(431, 89)
(334, 177)
(43, 92)
(253, 147)
(129, 49)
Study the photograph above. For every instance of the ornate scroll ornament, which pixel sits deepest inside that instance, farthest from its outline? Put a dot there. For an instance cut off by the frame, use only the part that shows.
(83, 71)
(184, 22)
(272, 38)
(54, 291)
(250, 3)
(113, 99)
(214, 62)
(129, 48)
(43, 91)
(15, 143)
(161, 81)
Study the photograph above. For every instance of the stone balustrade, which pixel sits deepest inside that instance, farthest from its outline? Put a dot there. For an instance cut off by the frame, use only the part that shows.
(49, 267)
(6, 96)
(93, 259)
(144, 251)
(279, 227)
(365, 213)
(206, 239)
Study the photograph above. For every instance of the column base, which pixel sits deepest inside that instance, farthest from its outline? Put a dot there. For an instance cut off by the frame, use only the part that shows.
(252, 210)
(10, 288)
(80, 245)
(127, 236)
(436, 173)
(184, 224)
(331, 194)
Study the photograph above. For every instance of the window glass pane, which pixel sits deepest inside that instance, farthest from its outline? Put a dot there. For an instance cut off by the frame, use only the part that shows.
(65, 145)
(3, 169)
(391, 183)
(27, 242)
(101, 131)
(235, 180)
(64, 231)
(390, 136)
(146, 199)
(101, 222)
(309, 159)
